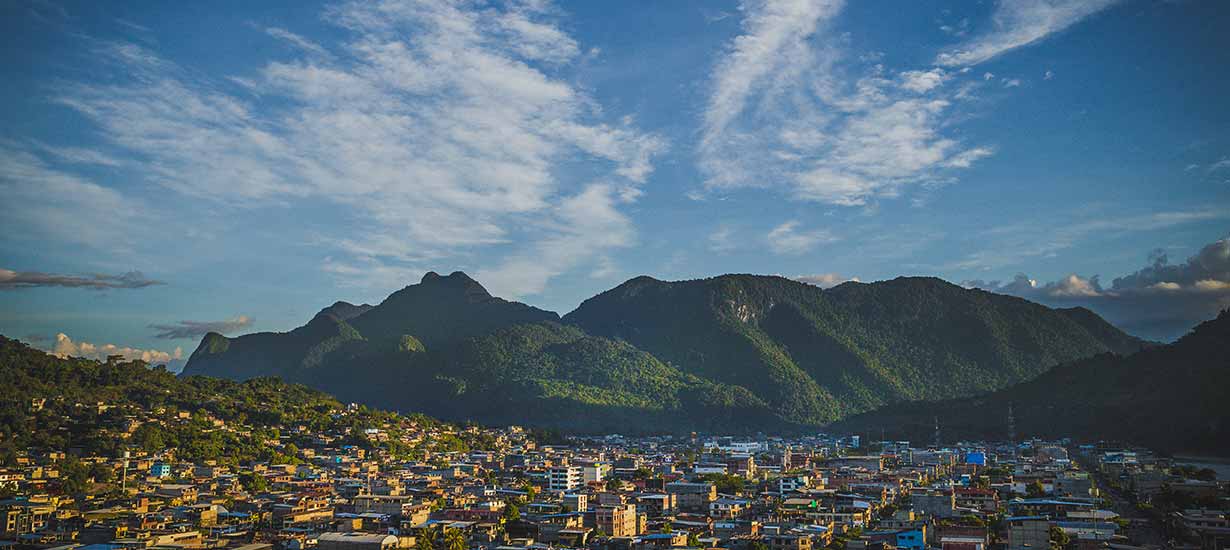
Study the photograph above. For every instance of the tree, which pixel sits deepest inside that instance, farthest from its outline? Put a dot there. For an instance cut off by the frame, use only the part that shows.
(1034, 490)
(102, 473)
(511, 512)
(253, 483)
(668, 527)
(454, 539)
(427, 539)
(693, 540)
(1059, 538)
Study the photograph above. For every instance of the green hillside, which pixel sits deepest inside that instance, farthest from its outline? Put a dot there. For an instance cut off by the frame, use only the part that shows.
(819, 355)
(737, 352)
(50, 403)
(1170, 397)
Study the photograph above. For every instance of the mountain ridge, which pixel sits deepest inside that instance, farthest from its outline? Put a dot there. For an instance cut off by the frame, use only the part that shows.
(783, 352)
(1139, 398)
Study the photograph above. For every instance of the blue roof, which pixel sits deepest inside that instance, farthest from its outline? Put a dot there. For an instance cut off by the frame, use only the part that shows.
(1050, 501)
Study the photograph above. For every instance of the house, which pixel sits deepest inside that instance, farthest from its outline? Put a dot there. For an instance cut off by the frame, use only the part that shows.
(355, 541)
(160, 469)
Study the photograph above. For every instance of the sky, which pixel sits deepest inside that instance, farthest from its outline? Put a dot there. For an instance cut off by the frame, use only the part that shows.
(168, 169)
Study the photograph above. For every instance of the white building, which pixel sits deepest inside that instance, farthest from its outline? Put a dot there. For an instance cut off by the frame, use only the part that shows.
(597, 471)
(564, 478)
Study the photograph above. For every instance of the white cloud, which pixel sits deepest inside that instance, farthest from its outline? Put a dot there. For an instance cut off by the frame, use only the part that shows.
(66, 347)
(922, 81)
(297, 41)
(1161, 300)
(42, 203)
(826, 280)
(722, 240)
(581, 227)
(1011, 82)
(782, 91)
(788, 239)
(433, 128)
(1018, 23)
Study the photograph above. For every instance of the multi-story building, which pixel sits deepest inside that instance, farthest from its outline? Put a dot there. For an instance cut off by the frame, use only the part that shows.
(617, 521)
(597, 471)
(693, 497)
(564, 478)
(1028, 533)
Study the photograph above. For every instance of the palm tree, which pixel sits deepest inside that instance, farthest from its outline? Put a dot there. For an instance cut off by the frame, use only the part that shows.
(454, 539)
(427, 539)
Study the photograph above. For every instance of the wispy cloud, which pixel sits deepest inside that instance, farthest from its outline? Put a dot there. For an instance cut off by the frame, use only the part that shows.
(1018, 23)
(582, 227)
(437, 127)
(837, 130)
(197, 329)
(45, 203)
(722, 240)
(297, 41)
(1015, 244)
(790, 239)
(14, 280)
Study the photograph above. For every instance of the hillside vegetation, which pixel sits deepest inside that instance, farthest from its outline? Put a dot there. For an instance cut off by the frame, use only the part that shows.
(1170, 397)
(737, 352)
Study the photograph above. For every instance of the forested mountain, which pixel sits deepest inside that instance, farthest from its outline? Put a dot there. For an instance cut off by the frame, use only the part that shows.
(737, 352)
(1169, 397)
(820, 355)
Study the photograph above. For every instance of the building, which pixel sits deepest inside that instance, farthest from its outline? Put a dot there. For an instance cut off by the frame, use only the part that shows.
(1028, 533)
(617, 521)
(355, 541)
(160, 469)
(576, 502)
(564, 478)
(934, 503)
(597, 471)
(393, 505)
(693, 497)
(788, 542)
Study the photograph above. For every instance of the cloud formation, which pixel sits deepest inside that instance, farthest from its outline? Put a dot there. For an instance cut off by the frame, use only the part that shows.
(13, 280)
(437, 127)
(66, 347)
(197, 329)
(789, 239)
(1020, 23)
(833, 129)
(1161, 300)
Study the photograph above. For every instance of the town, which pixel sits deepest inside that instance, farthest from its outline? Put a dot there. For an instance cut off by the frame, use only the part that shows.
(512, 488)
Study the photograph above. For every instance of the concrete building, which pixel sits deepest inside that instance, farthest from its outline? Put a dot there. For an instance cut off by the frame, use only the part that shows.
(564, 478)
(617, 521)
(1028, 533)
(355, 541)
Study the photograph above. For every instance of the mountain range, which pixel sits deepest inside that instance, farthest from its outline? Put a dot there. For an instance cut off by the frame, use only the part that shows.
(729, 353)
(1169, 397)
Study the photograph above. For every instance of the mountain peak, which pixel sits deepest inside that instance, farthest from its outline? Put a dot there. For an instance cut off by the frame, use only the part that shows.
(342, 311)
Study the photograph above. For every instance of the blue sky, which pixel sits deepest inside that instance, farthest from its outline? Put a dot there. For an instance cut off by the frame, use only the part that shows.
(171, 168)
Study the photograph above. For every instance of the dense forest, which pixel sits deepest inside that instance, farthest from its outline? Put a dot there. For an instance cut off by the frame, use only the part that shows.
(733, 353)
(1170, 397)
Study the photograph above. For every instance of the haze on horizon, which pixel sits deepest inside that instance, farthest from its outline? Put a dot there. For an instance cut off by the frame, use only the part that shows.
(171, 169)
